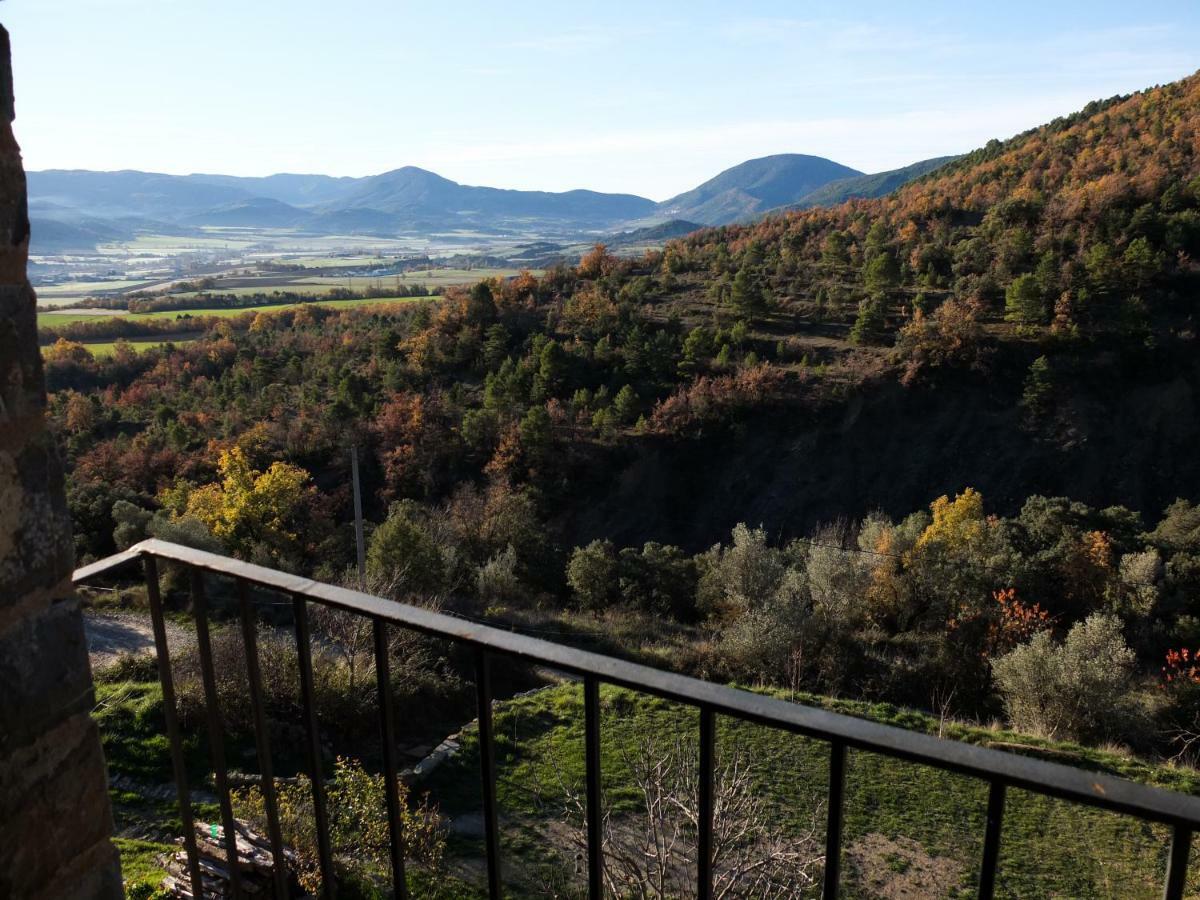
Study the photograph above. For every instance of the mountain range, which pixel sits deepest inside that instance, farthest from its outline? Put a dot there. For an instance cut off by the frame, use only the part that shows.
(76, 209)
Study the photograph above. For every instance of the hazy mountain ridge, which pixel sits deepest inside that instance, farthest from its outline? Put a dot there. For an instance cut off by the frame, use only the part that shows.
(76, 209)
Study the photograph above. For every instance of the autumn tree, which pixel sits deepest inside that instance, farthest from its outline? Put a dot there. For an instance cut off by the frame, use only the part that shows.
(252, 512)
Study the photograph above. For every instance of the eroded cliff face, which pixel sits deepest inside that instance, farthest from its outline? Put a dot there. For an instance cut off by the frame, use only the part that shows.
(55, 820)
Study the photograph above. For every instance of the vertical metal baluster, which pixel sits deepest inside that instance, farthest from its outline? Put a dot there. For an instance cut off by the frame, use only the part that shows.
(390, 780)
(487, 763)
(304, 653)
(171, 714)
(1181, 844)
(833, 827)
(704, 839)
(270, 802)
(216, 728)
(991, 841)
(591, 738)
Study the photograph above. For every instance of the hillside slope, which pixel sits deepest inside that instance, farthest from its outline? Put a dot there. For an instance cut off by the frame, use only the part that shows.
(866, 186)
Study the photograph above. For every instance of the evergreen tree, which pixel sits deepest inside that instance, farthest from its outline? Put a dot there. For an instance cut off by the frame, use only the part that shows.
(1024, 302)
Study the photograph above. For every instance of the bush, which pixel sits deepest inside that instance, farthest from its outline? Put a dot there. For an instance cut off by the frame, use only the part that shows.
(1080, 689)
(358, 825)
(592, 574)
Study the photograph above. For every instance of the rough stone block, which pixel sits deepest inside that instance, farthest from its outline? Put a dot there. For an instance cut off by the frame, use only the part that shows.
(54, 813)
(45, 672)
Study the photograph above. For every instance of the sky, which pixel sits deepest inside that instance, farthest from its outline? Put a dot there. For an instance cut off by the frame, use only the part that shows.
(643, 97)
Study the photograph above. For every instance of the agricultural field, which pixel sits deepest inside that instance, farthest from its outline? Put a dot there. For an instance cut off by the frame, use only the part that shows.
(108, 348)
(74, 291)
(49, 319)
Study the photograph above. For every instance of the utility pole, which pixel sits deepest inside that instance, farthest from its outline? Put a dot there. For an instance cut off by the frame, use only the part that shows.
(358, 521)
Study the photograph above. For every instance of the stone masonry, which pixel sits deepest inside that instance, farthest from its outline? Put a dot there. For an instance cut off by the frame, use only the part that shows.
(55, 820)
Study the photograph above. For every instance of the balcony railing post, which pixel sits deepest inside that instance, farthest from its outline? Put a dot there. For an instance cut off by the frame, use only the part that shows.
(595, 814)
(833, 827)
(704, 836)
(307, 698)
(991, 841)
(390, 779)
(261, 741)
(216, 728)
(487, 764)
(1177, 863)
(171, 714)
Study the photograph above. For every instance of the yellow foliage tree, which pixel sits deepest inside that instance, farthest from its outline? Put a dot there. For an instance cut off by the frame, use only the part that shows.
(959, 525)
(248, 505)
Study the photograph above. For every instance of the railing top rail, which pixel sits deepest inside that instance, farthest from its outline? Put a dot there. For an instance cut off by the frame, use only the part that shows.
(1040, 776)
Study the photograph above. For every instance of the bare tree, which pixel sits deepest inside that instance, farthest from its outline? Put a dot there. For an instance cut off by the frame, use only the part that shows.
(652, 853)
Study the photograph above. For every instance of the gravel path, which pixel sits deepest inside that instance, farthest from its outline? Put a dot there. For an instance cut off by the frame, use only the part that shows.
(111, 635)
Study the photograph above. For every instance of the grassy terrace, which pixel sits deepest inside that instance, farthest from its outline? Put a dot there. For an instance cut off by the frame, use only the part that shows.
(909, 830)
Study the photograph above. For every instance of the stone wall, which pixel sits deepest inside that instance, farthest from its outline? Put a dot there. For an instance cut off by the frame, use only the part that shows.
(55, 820)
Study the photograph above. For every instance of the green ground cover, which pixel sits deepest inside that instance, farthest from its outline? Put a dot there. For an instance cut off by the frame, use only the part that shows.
(898, 816)
(108, 348)
(48, 319)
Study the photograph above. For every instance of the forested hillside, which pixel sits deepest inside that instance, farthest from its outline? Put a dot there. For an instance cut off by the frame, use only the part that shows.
(1021, 322)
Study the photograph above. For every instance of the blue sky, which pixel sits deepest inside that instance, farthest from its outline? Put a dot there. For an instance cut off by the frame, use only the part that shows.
(650, 98)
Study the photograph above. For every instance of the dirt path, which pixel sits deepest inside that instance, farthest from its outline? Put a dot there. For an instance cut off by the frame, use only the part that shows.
(111, 635)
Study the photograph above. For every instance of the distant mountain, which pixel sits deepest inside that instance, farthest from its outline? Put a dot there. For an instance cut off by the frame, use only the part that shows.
(294, 190)
(876, 185)
(754, 186)
(416, 195)
(404, 200)
(75, 209)
(257, 212)
(108, 195)
(55, 236)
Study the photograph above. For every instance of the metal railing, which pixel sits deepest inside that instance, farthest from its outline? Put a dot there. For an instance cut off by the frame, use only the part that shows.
(1000, 770)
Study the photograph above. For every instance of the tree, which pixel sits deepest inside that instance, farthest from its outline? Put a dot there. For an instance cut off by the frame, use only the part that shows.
(834, 250)
(1080, 689)
(697, 348)
(402, 557)
(1039, 389)
(746, 295)
(881, 274)
(652, 854)
(249, 508)
(625, 405)
(869, 326)
(1024, 301)
(1141, 263)
(552, 370)
(592, 575)
(597, 262)
(481, 305)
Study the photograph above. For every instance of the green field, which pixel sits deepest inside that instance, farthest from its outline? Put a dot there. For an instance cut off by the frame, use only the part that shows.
(49, 319)
(108, 348)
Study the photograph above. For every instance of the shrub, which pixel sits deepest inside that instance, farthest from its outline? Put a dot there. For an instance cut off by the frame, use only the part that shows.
(592, 574)
(1080, 689)
(358, 825)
